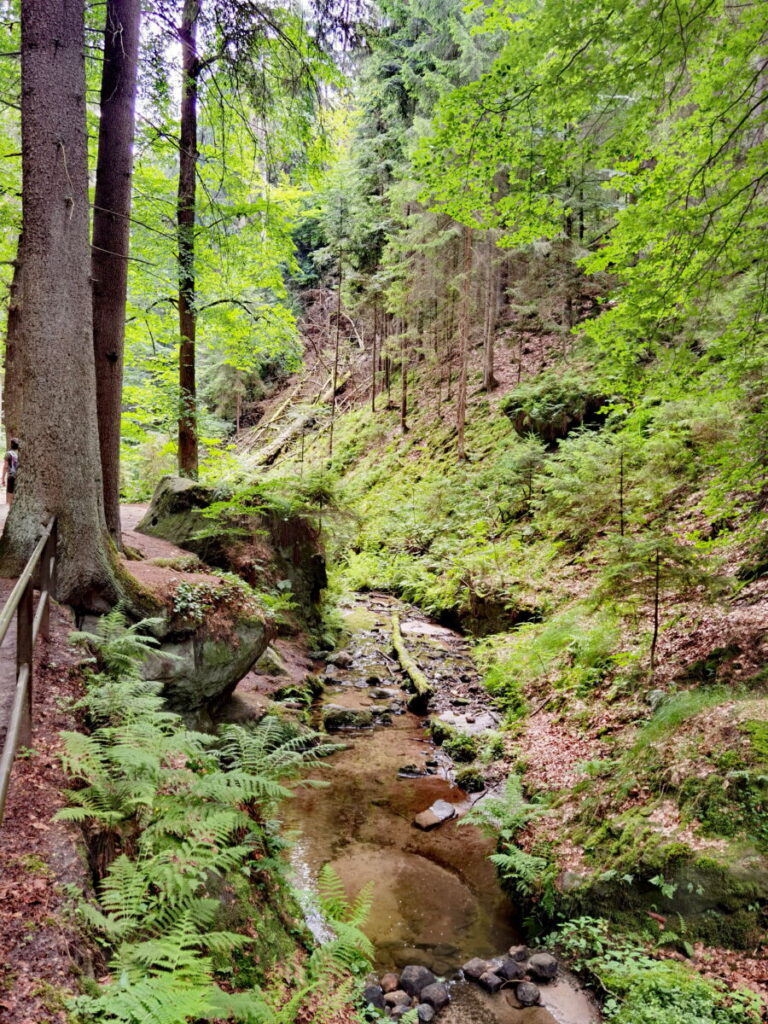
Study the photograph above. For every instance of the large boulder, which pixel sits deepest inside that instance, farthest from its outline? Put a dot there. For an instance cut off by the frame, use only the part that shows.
(210, 633)
(264, 547)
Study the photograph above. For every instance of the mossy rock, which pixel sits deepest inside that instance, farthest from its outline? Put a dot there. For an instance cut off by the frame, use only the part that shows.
(470, 780)
(552, 406)
(279, 549)
(718, 899)
(460, 746)
(335, 717)
(201, 671)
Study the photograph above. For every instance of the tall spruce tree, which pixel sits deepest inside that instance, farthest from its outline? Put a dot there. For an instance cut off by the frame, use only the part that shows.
(60, 472)
(111, 236)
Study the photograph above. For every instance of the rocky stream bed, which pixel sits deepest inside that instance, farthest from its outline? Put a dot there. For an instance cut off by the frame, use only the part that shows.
(392, 816)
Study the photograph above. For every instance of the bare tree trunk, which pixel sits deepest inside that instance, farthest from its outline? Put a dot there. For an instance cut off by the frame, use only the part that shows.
(335, 376)
(373, 356)
(461, 401)
(656, 601)
(60, 468)
(491, 314)
(12, 381)
(112, 236)
(190, 67)
(403, 383)
(387, 362)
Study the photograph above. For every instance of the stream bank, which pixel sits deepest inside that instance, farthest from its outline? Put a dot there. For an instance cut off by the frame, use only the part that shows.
(436, 902)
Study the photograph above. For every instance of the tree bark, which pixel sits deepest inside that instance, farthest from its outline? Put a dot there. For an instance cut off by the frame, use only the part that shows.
(12, 384)
(403, 383)
(60, 468)
(466, 287)
(111, 236)
(190, 69)
(373, 356)
(491, 317)
(335, 377)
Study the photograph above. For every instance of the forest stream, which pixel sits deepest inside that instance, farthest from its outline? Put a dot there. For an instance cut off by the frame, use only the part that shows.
(436, 902)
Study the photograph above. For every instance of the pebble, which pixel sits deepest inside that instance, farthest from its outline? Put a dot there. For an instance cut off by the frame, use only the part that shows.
(510, 969)
(543, 966)
(475, 968)
(490, 981)
(436, 995)
(374, 996)
(415, 979)
(397, 998)
(528, 994)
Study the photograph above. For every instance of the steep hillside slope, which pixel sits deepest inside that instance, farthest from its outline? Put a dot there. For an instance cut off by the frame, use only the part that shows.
(608, 563)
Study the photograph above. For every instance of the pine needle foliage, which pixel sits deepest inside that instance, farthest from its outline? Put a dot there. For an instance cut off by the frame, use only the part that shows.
(174, 817)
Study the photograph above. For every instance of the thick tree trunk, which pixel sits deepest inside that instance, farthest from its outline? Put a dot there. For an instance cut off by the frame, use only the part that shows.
(60, 469)
(111, 236)
(190, 66)
(12, 389)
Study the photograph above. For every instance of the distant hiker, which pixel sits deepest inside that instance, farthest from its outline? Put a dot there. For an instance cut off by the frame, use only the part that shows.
(10, 469)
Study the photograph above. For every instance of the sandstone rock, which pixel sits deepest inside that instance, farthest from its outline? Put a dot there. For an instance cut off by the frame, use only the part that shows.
(200, 670)
(336, 717)
(398, 1012)
(291, 545)
(390, 982)
(543, 966)
(374, 996)
(413, 979)
(474, 968)
(342, 659)
(397, 998)
(519, 952)
(436, 995)
(490, 981)
(271, 664)
(528, 994)
(511, 970)
(440, 812)
(425, 1013)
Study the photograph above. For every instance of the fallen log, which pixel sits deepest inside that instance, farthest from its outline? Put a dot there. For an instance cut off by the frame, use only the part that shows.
(421, 685)
(267, 455)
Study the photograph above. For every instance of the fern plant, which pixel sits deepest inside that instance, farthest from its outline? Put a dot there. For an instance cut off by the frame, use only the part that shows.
(173, 815)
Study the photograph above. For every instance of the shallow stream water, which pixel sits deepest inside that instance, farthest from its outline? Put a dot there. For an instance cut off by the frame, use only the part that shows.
(436, 899)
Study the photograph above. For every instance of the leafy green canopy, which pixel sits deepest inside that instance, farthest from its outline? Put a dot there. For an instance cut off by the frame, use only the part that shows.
(261, 137)
(645, 121)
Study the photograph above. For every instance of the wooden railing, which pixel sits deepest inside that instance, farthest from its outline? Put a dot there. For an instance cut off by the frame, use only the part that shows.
(39, 574)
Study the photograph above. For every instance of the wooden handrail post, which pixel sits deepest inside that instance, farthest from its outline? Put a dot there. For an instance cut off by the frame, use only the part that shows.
(46, 585)
(28, 626)
(24, 657)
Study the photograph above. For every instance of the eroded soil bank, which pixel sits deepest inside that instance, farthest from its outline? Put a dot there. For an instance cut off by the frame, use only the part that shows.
(436, 899)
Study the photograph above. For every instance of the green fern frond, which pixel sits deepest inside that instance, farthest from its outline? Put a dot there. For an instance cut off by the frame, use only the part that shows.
(153, 1000)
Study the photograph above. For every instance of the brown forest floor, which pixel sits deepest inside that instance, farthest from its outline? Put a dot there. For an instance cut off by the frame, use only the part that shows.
(40, 954)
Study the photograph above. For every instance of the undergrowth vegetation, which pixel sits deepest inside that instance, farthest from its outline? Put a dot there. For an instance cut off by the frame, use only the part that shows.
(641, 989)
(592, 520)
